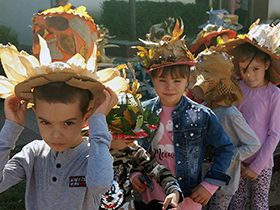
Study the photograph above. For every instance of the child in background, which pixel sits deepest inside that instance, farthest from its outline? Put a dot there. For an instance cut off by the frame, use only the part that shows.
(64, 170)
(185, 129)
(258, 66)
(128, 154)
(213, 83)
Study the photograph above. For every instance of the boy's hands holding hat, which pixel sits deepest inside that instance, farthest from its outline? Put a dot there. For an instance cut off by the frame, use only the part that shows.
(105, 107)
(15, 110)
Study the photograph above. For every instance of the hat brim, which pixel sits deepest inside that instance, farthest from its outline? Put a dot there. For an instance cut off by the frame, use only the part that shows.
(24, 89)
(207, 38)
(274, 70)
(189, 63)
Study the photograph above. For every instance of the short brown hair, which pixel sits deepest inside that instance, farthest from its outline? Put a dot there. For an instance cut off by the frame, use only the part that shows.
(60, 92)
(176, 71)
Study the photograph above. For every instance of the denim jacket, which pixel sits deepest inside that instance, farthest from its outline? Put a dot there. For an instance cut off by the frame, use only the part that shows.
(194, 127)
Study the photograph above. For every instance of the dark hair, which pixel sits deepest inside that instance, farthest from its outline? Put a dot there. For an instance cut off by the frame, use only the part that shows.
(176, 71)
(60, 92)
(247, 51)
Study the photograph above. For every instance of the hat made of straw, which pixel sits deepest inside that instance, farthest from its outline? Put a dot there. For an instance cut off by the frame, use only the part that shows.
(24, 72)
(213, 74)
(266, 38)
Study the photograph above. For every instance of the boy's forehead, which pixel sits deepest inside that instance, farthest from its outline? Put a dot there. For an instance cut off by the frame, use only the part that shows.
(59, 108)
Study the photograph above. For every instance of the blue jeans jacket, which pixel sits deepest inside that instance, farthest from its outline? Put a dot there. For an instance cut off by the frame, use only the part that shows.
(194, 127)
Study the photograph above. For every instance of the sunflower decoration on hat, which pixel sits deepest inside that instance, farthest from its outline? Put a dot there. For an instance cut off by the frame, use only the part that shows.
(266, 38)
(213, 74)
(220, 23)
(169, 50)
(24, 71)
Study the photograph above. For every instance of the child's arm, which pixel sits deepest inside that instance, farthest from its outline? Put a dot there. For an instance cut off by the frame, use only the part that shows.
(273, 136)
(100, 162)
(173, 200)
(247, 142)
(200, 195)
(143, 162)
(222, 148)
(248, 172)
(9, 134)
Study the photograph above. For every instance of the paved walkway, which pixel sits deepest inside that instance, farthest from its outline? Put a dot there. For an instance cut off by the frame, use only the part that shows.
(31, 130)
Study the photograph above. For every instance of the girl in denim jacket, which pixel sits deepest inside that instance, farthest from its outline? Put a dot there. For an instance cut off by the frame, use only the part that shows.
(185, 129)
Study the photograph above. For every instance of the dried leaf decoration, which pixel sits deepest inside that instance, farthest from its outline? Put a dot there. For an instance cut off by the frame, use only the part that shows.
(169, 49)
(66, 43)
(84, 51)
(177, 32)
(57, 22)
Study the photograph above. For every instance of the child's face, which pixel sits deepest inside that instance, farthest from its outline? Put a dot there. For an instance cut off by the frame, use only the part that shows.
(170, 90)
(120, 144)
(60, 124)
(254, 76)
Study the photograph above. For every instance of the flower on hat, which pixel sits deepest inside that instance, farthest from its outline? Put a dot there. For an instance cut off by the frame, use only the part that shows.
(24, 72)
(169, 50)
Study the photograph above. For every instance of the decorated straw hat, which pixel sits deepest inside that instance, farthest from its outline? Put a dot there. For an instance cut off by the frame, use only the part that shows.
(67, 32)
(213, 74)
(128, 119)
(210, 31)
(168, 51)
(24, 72)
(266, 38)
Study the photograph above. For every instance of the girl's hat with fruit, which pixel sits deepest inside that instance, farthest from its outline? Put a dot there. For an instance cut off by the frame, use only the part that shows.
(213, 74)
(266, 38)
(169, 51)
(24, 72)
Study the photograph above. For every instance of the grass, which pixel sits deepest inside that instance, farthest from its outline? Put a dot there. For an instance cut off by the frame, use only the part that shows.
(13, 198)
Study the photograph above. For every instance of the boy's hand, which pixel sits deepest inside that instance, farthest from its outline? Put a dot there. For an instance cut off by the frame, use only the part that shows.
(105, 107)
(138, 185)
(14, 111)
(200, 195)
(249, 173)
(173, 200)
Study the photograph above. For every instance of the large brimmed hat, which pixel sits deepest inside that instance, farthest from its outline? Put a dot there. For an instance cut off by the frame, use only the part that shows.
(170, 50)
(213, 74)
(205, 36)
(24, 72)
(266, 38)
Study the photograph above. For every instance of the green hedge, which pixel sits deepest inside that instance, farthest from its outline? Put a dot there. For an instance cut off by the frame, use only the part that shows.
(115, 16)
(7, 34)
